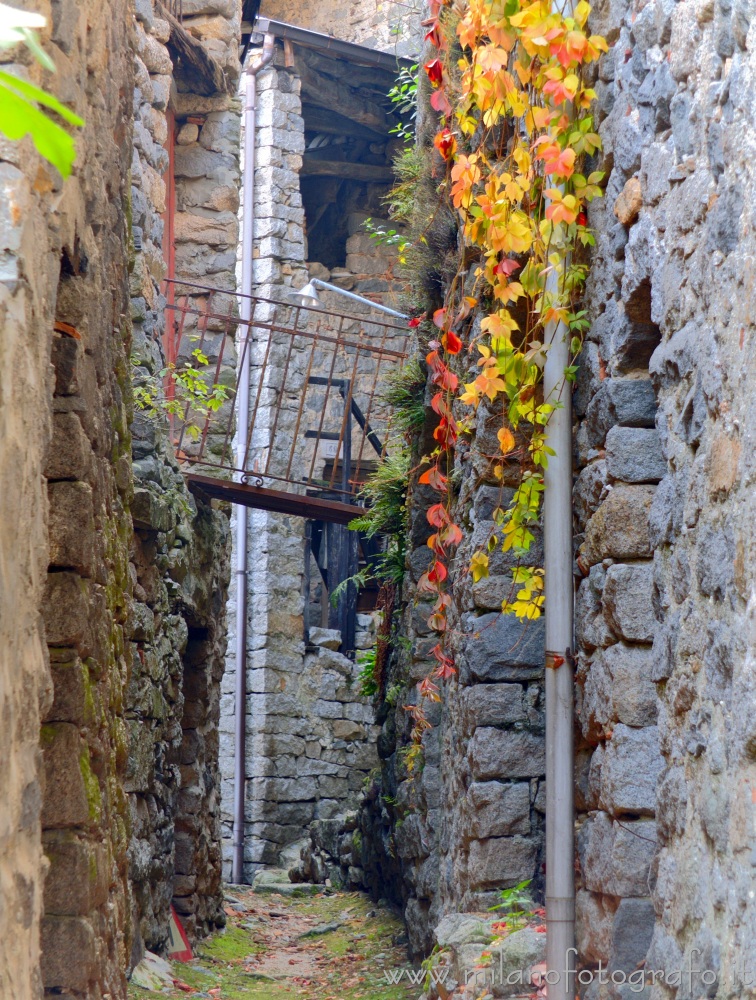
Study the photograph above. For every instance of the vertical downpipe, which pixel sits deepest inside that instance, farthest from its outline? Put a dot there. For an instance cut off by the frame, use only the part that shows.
(560, 802)
(242, 416)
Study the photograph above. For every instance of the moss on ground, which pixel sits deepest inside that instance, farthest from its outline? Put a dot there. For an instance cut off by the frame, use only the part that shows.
(263, 955)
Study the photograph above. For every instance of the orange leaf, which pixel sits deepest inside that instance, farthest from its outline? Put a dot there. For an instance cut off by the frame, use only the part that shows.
(506, 440)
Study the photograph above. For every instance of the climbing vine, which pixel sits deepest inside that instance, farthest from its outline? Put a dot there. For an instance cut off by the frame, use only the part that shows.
(508, 82)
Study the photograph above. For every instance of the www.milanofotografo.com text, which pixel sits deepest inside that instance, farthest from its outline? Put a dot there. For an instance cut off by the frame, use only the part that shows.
(691, 975)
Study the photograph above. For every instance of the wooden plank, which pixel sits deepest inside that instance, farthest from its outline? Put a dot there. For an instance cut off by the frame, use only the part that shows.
(328, 93)
(367, 173)
(260, 498)
(318, 119)
(374, 79)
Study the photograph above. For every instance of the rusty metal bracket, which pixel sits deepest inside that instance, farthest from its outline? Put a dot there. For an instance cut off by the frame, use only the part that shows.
(555, 660)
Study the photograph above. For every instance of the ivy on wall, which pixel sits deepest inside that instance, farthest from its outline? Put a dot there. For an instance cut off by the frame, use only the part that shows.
(515, 129)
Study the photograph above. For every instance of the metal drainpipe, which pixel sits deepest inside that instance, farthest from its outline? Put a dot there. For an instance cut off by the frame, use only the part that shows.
(248, 234)
(560, 806)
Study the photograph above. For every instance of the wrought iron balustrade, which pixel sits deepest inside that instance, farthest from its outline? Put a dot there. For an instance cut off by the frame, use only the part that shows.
(317, 419)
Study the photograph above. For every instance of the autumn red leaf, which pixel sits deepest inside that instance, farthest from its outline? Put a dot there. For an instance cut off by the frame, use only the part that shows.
(438, 516)
(445, 143)
(415, 322)
(440, 406)
(445, 669)
(506, 266)
(445, 378)
(451, 342)
(434, 478)
(446, 433)
(435, 71)
(440, 102)
(452, 535)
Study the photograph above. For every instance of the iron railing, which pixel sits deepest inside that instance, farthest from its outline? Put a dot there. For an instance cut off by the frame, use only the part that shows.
(318, 421)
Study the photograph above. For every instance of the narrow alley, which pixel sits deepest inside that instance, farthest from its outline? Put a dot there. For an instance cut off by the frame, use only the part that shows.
(378, 504)
(295, 941)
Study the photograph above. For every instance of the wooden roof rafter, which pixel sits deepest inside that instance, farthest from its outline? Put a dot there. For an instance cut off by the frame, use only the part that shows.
(209, 75)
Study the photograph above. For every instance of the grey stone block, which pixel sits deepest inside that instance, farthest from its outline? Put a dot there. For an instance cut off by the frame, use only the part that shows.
(619, 688)
(594, 921)
(500, 862)
(630, 771)
(499, 810)
(634, 455)
(494, 704)
(631, 934)
(499, 754)
(503, 648)
(620, 527)
(457, 929)
(627, 601)
(616, 858)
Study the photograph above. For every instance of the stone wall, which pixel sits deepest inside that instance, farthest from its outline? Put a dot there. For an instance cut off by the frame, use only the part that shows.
(181, 548)
(377, 24)
(64, 259)
(133, 602)
(681, 125)
(663, 614)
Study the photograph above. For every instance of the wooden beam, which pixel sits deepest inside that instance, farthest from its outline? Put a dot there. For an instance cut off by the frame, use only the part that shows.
(332, 123)
(373, 78)
(210, 76)
(295, 504)
(327, 93)
(367, 173)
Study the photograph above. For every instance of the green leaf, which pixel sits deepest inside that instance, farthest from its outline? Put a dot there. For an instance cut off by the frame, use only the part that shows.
(18, 117)
(32, 93)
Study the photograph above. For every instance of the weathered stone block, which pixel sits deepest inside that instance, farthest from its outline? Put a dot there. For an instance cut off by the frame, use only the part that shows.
(346, 729)
(620, 527)
(502, 648)
(500, 862)
(151, 511)
(630, 771)
(499, 810)
(72, 695)
(634, 455)
(619, 687)
(69, 782)
(495, 753)
(69, 455)
(68, 953)
(292, 789)
(65, 610)
(628, 205)
(627, 601)
(494, 705)
(65, 359)
(631, 934)
(78, 877)
(71, 526)
(594, 920)
(616, 859)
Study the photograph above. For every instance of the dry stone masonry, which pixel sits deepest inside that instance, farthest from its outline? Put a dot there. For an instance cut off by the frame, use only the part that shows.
(119, 790)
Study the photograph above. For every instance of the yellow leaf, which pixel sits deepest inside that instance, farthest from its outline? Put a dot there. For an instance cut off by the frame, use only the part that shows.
(506, 440)
(581, 12)
(471, 395)
(479, 566)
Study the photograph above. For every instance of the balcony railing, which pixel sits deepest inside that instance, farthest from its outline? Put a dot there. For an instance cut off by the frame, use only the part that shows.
(317, 419)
